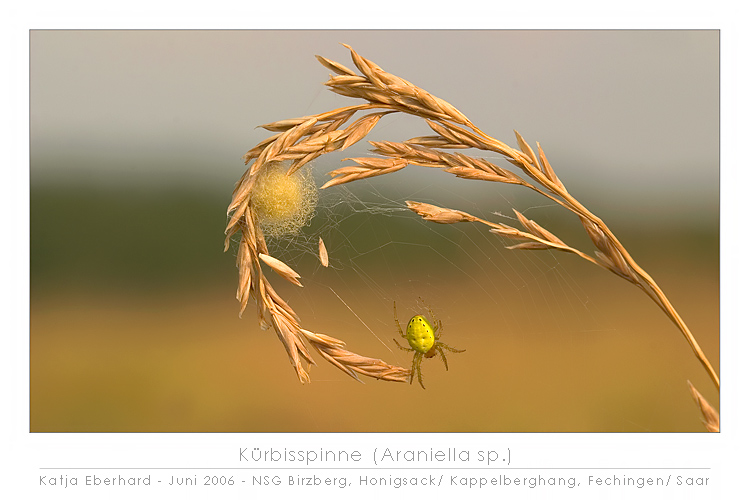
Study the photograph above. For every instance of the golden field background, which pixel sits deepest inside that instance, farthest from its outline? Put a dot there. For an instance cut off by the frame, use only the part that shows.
(134, 327)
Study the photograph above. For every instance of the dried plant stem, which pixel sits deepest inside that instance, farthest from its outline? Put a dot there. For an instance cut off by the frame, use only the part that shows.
(452, 133)
(639, 277)
(648, 285)
(302, 139)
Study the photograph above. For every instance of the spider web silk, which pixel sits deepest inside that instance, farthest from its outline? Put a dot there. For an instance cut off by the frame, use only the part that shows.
(380, 252)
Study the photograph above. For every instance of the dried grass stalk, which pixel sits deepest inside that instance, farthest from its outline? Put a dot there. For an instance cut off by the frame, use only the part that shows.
(456, 131)
(305, 138)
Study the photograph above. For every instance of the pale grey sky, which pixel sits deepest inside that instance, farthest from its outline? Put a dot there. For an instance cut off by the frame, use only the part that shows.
(635, 111)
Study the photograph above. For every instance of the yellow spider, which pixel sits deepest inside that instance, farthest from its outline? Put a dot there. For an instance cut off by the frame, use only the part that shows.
(423, 340)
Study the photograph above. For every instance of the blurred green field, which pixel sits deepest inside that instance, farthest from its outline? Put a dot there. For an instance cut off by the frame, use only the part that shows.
(134, 328)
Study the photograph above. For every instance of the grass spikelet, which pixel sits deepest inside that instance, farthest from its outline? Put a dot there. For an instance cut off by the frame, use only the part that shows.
(322, 252)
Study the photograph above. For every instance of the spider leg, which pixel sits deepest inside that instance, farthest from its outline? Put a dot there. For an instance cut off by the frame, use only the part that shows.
(402, 347)
(433, 319)
(395, 317)
(416, 367)
(449, 348)
(442, 355)
(439, 346)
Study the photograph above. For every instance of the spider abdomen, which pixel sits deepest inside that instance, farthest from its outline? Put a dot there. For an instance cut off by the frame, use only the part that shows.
(421, 335)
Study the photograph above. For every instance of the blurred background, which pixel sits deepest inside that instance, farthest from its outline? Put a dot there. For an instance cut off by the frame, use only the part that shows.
(136, 143)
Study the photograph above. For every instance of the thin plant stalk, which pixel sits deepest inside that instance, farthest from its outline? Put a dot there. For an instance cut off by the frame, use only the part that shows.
(300, 140)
